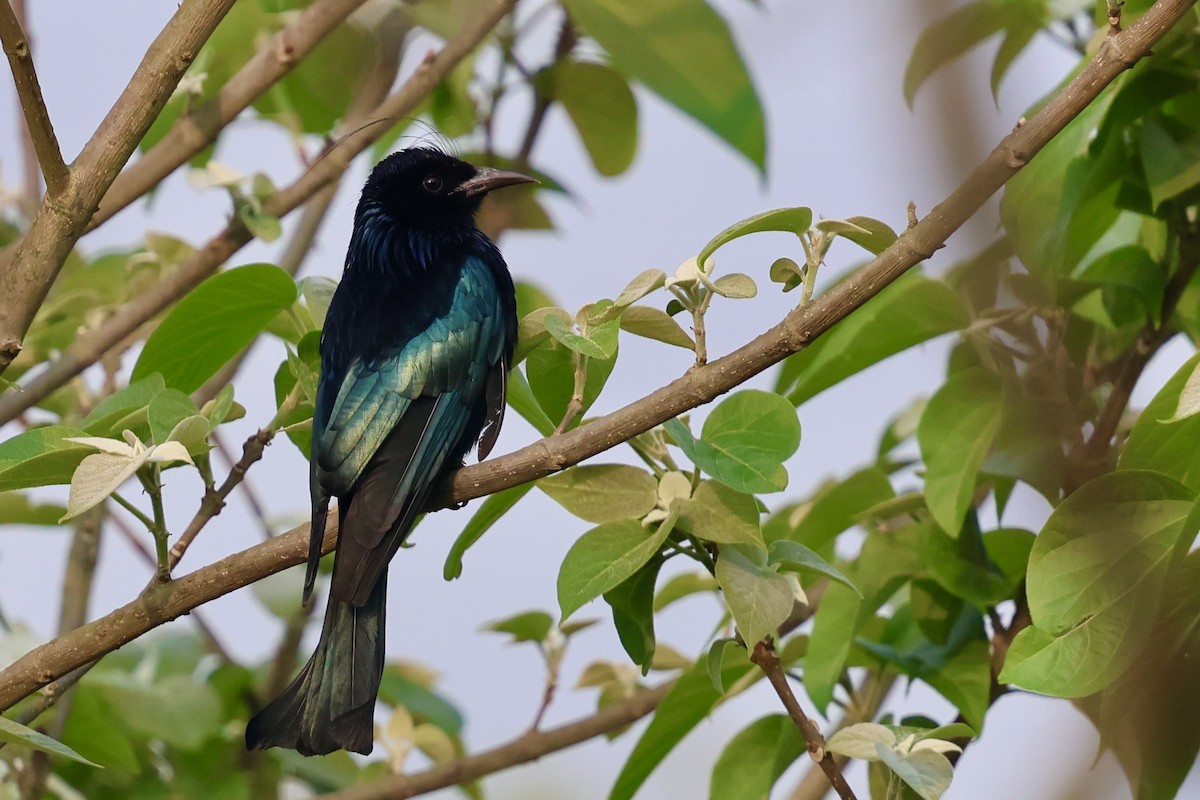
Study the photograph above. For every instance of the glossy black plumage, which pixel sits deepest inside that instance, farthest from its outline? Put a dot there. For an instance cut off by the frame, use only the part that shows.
(414, 357)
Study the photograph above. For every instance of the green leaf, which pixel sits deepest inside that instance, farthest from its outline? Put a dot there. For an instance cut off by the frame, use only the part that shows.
(719, 514)
(15, 733)
(870, 234)
(156, 709)
(642, 285)
(632, 603)
(681, 50)
(490, 511)
(735, 286)
(530, 626)
(745, 441)
(960, 564)
(1129, 272)
(787, 220)
(1172, 167)
(113, 413)
(550, 370)
(425, 705)
(754, 759)
(683, 585)
(834, 508)
(794, 556)
(17, 509)
(521, 399)
(956, 429)
(927, 772)
(690, 700)
(603, 558)
(601, 106)
(41, 457)
(759, 598)
(214, 323)
(1095, 578)
(912, 310)
(949, 38)
(603, 492)
(168, 409)
(599, 342)
(1167, 448)
(715, 662)
(653, 323)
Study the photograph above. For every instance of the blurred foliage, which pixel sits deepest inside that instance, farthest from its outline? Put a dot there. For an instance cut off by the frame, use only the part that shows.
(918, 574)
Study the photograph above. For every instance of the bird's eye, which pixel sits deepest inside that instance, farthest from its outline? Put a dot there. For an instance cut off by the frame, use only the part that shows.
(432, 183)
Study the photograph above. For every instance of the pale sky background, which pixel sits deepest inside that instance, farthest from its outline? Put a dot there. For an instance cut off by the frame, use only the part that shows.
(841, 140)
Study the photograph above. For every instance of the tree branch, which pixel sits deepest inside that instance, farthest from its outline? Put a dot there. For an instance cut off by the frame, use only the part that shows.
(29, 92)
(87, 350)
(767, 659)
(195, 131)
(700, 385)
(528, 747)
(63, 215)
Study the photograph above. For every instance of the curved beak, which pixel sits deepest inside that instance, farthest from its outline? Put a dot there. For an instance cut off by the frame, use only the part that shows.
(486, 179)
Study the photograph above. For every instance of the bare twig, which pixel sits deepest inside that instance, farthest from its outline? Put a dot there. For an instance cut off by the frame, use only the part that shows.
(528, 747)
(29, 92)
(698, 386)
(88, 349)
(64, 213)
(767, 659)
(195, 131)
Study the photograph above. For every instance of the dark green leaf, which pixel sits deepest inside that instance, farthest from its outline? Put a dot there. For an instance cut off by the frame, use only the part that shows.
(213, 323)
(490, 511)
(41, 457)
(788, 220)
(603, 558)
(425, 705)
(681, 50)
(794, 556)
(16, 733)
(632, 603)
(107, 417)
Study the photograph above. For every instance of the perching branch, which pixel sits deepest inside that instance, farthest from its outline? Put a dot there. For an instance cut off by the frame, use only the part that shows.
(65, 212)
(700, 385)
(88, 349)
(528, 747)
(29, 92)
(767, 659)
(196, 130)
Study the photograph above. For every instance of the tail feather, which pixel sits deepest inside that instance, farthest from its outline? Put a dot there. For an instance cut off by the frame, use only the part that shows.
(331, 703)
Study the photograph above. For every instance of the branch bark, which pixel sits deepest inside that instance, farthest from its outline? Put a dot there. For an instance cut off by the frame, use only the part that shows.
(88, 349)
(700, 385)
(29, 92)
(193, 132)
(529, 747)
(65, 212)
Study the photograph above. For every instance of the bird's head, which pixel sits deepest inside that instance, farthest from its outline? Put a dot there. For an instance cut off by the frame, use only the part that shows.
(425, 188)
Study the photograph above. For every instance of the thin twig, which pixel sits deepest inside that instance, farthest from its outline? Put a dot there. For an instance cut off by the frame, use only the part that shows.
(799, 328)
(256, 507)
(767, 659)
(29, 92)
(88, 349)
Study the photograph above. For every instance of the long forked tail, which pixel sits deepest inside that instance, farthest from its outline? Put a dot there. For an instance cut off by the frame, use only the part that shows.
(331, 703)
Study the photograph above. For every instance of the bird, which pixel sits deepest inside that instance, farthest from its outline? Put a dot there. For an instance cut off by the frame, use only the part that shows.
(415, 353)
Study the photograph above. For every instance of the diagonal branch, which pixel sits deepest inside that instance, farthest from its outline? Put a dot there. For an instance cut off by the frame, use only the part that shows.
(804, 324)
(88, 349)
(64, 214)
(29, 92)
(195, 131)
(529, 747)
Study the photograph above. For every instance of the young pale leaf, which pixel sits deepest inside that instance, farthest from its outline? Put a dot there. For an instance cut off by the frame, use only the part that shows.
(927, 772)
(1189, 398)
(719, 514)
(1169, 449)
(759, 598)
(735, 286)
(754, 759)
(912, 310)
(490, 511)
(603, 558)
(652, 323)
(40, 457)
(645, 283)
(860, 739)
(603, 492)
(215, 322)
(690, 700)
(787, 220)
(791, 555)
(601, 107)
(705, 78)
(13, 732)
(745, 441)
(529, 626)
(1095, 578)
(956, 429)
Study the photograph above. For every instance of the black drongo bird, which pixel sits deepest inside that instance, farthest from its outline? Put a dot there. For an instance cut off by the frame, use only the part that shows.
(414, 360)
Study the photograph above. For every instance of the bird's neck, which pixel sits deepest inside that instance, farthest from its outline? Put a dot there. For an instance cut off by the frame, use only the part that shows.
(393, 251)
